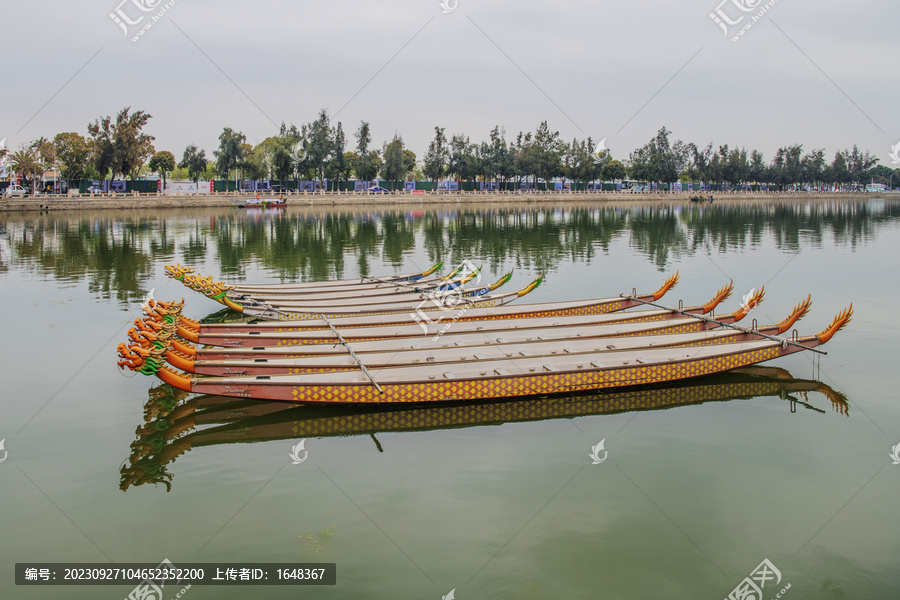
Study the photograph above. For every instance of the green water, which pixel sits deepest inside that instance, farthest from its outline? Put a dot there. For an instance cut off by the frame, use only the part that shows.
(502, 501)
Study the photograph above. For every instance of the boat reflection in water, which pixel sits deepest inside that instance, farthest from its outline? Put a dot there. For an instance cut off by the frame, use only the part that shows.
(176, 421)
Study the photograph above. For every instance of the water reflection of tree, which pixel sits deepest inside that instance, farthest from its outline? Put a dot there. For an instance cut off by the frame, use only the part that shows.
(656, 233)
(114, 258)
(193, 251)
(117, 256)
(399, 237)
(792, 226)
(534, 238)
(306, 248)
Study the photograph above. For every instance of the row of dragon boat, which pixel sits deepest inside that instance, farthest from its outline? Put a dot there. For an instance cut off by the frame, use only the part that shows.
(424, 338)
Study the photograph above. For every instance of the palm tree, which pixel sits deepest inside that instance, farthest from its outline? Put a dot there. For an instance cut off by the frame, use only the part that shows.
(26, 162)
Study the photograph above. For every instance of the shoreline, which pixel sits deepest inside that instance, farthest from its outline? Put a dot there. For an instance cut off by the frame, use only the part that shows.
(329, 200)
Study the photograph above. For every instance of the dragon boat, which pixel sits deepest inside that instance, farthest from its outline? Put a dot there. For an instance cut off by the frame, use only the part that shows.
(373, 299)
(457, 285)
(482, 378)
(195, 331)
(525, 324)
(190, 279)
(176, 422)
(475, 346)
(308, 311)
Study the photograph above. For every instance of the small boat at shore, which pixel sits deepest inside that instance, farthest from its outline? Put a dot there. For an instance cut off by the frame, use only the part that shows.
(702, 198)
(258, 202)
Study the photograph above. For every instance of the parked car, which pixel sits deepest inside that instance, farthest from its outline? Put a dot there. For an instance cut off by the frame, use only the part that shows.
(16, 190)
(377, 190)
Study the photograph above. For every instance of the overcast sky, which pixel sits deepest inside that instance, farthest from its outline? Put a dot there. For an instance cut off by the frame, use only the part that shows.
(817, 72)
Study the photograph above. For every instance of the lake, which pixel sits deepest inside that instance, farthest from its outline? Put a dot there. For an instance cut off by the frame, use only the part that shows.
(700, 482)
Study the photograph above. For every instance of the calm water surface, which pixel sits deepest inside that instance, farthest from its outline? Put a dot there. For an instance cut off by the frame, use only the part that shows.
(702, 480)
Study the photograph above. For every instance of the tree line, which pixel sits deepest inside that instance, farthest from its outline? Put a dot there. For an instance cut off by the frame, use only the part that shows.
(320, 150)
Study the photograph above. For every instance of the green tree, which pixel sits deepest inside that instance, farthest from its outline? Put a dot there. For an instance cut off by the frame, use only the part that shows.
(27, 163)
(580, 162)
(194, 160)
(837, 172)
(102, 132)
(368, 163)
(759, 172)
(502, 159)
(409, 162)
(463, 163)
(812, 167)
(661, 160)
(230, 153)
(698, 166)
(282, 164)
(393, 168)
(350, 159)
(786, 165)
(885, 175)
(46, 152)
(546, 159)
(614, 170)
(131, 147)
(73, 155)
(251, 165)
(860, 164)
(437, 156)
(337, 165)
(319, 145)
(737, 167)
(163, 162)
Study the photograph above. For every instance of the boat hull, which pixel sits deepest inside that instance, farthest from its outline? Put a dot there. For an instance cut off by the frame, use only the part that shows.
(489, 387)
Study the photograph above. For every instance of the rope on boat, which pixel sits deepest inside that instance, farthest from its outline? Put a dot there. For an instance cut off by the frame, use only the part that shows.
(344, 343)
(783, 341)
